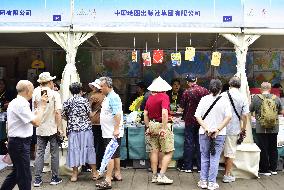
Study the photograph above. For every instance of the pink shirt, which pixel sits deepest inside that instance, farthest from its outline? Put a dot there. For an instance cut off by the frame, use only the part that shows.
(155, 104)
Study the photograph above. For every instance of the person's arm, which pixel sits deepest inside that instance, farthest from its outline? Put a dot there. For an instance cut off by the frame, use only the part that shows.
(202, 124)
(183, 102)
(58, 120)
(39, 113)
(244, 118)
(222, 125)
(146, 119)
(117, 119)
(165, 117)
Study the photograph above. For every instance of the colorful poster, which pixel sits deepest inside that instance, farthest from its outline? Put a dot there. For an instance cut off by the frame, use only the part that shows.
(176, 59)
(158, 56)
(189, 53)
(216, 59)
(146, 59)
(266, 60)
(134, 56)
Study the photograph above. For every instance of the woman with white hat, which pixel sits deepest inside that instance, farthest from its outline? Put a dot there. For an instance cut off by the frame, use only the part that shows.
(159, 135)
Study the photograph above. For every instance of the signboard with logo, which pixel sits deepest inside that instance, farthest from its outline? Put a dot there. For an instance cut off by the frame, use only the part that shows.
(35, 13)
(146, 14)
(158, 13)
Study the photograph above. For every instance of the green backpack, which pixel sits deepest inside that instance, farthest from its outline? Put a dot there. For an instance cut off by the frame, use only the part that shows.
(268, 117)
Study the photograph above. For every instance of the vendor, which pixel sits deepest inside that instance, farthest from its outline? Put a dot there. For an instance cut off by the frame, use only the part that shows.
(175, 95)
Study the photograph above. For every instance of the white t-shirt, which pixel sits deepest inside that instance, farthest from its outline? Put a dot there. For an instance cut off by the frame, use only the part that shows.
(217, 114)
(19, 117)
(242, 107)
(48, 125)
(110, 107)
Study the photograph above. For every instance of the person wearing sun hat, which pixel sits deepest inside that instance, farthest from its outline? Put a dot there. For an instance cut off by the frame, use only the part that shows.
(96, 99)
(48, 129)
(158, 130)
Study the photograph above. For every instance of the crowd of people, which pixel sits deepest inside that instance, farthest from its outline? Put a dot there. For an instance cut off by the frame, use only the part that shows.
(215, 121)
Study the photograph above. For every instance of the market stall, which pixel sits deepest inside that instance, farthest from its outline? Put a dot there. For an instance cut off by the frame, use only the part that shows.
(70, 23)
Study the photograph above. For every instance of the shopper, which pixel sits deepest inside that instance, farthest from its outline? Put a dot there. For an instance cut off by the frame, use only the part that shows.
(20, 129)
(49, 128)
(189, 102)
(81, 150)
(96, 99)
(267, 107)
(237, 125)
(213, 114)
(111, 120)
(161, 137)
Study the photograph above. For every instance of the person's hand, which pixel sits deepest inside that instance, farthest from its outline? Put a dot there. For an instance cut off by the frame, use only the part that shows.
(162, 132)
(116, 133)
(147, 132)
(60, 131)
(214, 133)
(44, 99)
(179, 110)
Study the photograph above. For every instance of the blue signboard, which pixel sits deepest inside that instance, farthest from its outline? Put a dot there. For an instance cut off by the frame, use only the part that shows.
(144, 14)
(35, 13)
(159, 13)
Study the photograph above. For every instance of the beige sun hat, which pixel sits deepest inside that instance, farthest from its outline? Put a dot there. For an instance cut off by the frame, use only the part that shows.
(96, 84)
(159, 85)
(45, 77)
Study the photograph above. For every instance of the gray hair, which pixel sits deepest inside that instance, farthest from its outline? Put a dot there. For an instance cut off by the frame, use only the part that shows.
(23, 85)
(215, 86)
(235, 82)
(107, 81)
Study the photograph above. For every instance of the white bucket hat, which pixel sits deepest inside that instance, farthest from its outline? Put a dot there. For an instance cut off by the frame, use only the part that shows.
(159, 85)
(45, 77)
(96, 84)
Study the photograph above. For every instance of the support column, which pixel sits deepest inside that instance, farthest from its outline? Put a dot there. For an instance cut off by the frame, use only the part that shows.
(241, 43)
(246, 163)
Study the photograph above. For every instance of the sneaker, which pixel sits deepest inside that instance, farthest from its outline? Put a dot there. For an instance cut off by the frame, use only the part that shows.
(55, 180)
(37, 182)
(164, 180)
(228, 179)
(202, 184)
(265, 173)
(154, 179)
(273, 172)
(212, 186)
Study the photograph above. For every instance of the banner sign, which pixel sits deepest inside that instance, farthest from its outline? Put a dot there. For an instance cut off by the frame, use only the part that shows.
(35, 13)
(145, 14)
(158, 13)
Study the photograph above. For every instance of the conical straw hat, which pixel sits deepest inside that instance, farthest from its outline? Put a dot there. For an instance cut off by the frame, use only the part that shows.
(159, 85)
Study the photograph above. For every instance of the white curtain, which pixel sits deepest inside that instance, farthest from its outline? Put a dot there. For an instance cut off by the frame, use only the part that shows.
(70, 42)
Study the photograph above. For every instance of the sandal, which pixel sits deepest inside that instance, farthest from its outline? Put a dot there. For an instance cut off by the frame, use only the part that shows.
(104, 185)
(114, 178)
(95, 178)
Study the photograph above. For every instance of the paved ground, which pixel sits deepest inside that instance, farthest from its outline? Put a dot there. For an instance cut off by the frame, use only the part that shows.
(139, 179)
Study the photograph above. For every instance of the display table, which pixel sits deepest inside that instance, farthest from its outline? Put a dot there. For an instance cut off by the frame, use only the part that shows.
(136, 142)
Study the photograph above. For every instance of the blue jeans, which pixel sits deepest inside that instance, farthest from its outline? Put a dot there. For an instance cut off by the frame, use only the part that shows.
(210, 163)
(191, 147)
